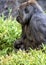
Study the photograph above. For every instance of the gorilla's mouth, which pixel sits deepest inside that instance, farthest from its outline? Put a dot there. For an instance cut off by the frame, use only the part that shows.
(18, 18)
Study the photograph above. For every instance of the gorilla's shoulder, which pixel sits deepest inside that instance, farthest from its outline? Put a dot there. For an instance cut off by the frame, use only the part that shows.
(39, 18)
(38, 22)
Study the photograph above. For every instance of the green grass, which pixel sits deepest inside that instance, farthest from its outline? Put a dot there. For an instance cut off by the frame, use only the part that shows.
(33, 57)
(10, 30)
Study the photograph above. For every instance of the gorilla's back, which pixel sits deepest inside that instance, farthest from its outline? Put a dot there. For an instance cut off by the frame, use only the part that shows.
(38, 27)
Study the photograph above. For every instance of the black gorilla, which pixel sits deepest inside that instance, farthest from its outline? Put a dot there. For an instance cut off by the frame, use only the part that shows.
(33, 21)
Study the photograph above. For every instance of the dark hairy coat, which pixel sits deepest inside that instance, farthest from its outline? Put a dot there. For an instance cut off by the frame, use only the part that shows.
(33, 21)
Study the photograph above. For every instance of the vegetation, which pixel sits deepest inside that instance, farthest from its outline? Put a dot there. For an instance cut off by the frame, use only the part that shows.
(10, 30)
(33, 57)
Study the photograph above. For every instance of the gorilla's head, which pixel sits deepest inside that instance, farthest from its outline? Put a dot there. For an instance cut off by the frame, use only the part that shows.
(25, 14)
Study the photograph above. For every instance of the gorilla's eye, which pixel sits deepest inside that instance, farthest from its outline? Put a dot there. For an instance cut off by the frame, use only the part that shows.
(26, 10)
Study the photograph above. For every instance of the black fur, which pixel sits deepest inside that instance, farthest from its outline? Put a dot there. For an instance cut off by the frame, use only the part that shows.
(33, 21)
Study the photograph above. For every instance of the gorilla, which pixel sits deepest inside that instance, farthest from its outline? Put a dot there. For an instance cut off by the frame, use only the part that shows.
(33, 20)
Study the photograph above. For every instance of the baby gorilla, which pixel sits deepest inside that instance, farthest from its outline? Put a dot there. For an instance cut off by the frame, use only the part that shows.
(33, 21)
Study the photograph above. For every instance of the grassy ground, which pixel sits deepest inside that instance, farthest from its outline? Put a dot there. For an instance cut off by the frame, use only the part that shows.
(33, 57)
